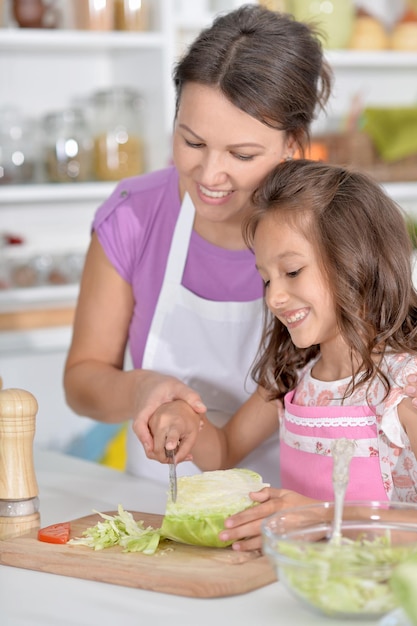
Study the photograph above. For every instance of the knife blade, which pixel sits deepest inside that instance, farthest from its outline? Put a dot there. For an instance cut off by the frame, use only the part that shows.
(170, 454)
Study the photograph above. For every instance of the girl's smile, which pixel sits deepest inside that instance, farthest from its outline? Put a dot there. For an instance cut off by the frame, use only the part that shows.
(294, 318)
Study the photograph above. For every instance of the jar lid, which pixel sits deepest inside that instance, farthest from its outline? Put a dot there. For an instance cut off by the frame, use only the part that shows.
(65, 116)
(117, 95)
(12, 122)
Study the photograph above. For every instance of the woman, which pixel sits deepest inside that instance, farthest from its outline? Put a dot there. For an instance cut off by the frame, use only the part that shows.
(167, 271)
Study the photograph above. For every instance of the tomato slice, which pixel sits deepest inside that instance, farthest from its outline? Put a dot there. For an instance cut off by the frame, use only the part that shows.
(56, 533)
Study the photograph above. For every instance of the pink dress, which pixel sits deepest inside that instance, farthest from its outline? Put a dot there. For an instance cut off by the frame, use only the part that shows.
(384, 466)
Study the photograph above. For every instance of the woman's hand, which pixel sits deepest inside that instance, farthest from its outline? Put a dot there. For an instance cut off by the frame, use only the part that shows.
(158, 390)
(174, 426)
(245, 528)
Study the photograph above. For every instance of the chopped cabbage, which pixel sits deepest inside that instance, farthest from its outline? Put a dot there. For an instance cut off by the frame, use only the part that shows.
(121, 529)
(204, 501)
(404, 586)
(345, 579)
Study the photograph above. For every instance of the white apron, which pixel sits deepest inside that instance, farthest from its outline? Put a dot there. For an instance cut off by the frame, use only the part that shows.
(208, 345)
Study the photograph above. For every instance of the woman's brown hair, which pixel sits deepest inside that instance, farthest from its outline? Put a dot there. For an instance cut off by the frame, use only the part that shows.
(266, 64)
(361, 238)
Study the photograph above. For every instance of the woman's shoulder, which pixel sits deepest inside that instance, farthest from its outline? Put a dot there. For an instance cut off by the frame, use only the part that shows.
(139, 196)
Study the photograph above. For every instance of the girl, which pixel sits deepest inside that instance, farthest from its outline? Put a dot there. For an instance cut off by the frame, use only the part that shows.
(335, 257)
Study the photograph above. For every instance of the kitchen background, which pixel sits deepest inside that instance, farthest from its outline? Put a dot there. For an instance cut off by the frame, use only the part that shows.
(86, 99)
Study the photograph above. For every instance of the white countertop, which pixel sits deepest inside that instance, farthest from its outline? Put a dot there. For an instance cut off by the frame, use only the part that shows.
(71, 488)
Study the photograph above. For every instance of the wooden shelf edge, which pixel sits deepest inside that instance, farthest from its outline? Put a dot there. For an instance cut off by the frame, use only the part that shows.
(36, 318)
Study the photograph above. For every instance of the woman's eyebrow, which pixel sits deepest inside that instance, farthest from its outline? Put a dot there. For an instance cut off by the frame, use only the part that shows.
(248, 144)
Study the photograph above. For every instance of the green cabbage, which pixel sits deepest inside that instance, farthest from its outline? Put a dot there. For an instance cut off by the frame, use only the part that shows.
(404, 586)
(203, 503)
(122, 530)
(346, 579)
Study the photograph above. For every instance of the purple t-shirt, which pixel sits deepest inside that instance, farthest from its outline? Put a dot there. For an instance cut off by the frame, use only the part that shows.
(135, 226)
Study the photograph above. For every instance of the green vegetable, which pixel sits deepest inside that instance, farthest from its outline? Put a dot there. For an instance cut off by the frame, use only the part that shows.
(121, 530)
(404, 586)
(350, 578)
(203, 503)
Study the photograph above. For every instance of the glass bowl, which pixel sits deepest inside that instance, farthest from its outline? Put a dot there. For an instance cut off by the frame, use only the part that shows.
(349, 579)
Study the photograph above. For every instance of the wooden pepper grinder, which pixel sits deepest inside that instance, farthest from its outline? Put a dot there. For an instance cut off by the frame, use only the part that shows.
(19, 503)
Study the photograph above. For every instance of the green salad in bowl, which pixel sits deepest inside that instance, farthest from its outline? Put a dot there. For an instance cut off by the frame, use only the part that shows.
(349, 577)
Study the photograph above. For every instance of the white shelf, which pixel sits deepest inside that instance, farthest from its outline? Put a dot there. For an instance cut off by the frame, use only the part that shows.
(67, 193)
(35, 340)
(33, 40)
(382, 59)
(38, 297)
(29, 194)
(401, 192)
(184, 22)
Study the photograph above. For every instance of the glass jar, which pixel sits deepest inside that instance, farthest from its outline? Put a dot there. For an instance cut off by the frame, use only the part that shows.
(35, 13)
(92, 14)
(68, 146)
(17, 147)
(131, 15)
(335, 18)
(118, 145)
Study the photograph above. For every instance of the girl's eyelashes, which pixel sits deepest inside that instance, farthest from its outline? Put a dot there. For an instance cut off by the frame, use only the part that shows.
(294, 274)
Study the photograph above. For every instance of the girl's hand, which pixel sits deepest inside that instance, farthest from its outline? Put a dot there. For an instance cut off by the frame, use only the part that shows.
(245, 527)
(174, 426)
(157, 390)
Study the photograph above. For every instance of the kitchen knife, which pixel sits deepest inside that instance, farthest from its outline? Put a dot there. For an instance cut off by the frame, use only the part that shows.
(170, 454)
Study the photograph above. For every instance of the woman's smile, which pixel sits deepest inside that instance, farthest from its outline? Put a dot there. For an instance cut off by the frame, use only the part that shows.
(208, 195)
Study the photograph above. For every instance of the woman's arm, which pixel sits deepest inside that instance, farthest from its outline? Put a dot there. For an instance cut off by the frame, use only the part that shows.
(94, 381)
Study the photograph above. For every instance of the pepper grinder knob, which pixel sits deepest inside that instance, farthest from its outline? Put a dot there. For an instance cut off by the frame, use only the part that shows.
(19, 504)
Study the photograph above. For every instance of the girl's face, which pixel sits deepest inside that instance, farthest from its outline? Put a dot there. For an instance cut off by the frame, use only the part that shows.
(296, 291)
(222, 153)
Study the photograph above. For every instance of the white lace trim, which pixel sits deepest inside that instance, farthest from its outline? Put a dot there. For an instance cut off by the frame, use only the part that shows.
(326, 422)
(323, 445)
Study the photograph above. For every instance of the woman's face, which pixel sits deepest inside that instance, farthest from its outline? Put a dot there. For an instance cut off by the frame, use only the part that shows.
(222, 153)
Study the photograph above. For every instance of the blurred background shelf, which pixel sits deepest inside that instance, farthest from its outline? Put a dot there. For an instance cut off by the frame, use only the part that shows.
(380, 59)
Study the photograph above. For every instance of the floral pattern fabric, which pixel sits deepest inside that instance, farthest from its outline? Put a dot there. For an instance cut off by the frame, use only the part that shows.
(398, 462)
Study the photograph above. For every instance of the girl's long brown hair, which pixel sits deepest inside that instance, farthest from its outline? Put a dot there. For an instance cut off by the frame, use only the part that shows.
(361, 238)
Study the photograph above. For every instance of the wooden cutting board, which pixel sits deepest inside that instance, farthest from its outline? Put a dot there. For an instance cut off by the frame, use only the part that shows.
(175, 568)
